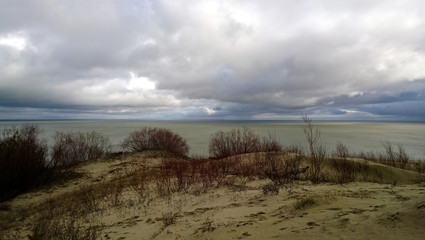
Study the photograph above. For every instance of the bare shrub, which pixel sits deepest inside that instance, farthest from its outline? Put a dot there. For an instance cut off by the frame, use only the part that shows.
(180, 169)
(247, 168)
(139, 182)
(316, 148)
(22, 160)
(168, 219)
(70, 149)
(282, 170)
(371, 156)
(420, 166)
(89, 198)
(63, 228)
(394, 157)
(270, 143)
(345, 170)
(195, 163)
(211, 174)
(174, 176)
(116, 188)
(270, 188)
(296, 149)
(305, 202)
(156, 139)
(402, 157)
(237, 141)
(164, 180)
(207, 226)
(390, 157)
(240, 141)
(341, 151)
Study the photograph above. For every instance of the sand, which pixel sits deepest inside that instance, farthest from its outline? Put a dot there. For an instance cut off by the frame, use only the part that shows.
(240, 210)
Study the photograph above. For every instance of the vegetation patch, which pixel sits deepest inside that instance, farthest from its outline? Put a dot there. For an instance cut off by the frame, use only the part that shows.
(156, 139)
(305, 203)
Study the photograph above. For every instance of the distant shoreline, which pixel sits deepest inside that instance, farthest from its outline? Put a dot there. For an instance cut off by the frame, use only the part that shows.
(205, 120)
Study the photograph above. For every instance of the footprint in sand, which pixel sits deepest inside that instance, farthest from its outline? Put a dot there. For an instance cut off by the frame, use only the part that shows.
(244, 235)
(312, 224)
(344, 222)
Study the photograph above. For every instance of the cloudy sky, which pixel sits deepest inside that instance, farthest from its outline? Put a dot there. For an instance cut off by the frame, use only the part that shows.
(194, 59)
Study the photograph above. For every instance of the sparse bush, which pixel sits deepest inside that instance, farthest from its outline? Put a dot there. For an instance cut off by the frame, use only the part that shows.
(341, 151)
(237, 141)
(270, 188)
(70, 149)
(270, 144)
(115, 188)
(316, 148)
(207, 225)
(281, 170)
(371, 156)
(180, 169)
(305, 203)
(168, 219)
(420, 166)
(89, 198)
(402, 157)
(394, 157)
(156, 139)
(390, 156)
(345, 170)
(63, 228)
(296, 149)
(195, 163)
(22, 160)
(247, 168)
(240, 141)
(164, 180)
(139, 182)
(211, 174)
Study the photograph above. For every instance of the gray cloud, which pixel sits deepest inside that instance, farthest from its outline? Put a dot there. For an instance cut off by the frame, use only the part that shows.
(212, 59)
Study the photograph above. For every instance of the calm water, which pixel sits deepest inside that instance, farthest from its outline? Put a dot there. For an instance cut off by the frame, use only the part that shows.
(357, 136)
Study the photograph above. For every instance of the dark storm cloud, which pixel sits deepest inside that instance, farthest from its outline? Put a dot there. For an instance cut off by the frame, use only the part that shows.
(212, 59)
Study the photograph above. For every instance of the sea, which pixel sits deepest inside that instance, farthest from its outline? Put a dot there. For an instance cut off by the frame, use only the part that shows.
(357, 136)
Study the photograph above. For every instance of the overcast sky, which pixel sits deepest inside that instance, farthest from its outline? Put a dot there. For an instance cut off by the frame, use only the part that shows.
(178, 59)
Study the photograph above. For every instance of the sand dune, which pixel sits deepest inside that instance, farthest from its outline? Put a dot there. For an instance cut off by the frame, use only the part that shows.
(236, 210)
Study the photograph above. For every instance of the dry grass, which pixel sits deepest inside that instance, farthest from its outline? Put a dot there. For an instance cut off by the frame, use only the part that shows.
(137, 183)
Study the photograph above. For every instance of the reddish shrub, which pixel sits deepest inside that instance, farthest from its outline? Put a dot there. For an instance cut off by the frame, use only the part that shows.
(240, 141)
(281, 169)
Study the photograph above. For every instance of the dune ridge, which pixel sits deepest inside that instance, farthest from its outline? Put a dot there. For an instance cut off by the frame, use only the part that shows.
(105, 205)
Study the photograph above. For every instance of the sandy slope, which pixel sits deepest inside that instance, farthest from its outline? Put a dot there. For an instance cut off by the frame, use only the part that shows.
(352, 211)
(241, 210)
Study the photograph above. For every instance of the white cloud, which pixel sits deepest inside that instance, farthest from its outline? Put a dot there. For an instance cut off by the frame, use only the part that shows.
(209, 111)
(15, 41)
(140, 83)
(176, 57)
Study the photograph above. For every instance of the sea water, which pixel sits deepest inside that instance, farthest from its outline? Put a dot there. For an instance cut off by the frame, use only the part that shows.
(357, 136)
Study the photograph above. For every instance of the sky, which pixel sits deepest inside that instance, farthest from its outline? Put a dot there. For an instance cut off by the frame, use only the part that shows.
(196, 59)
